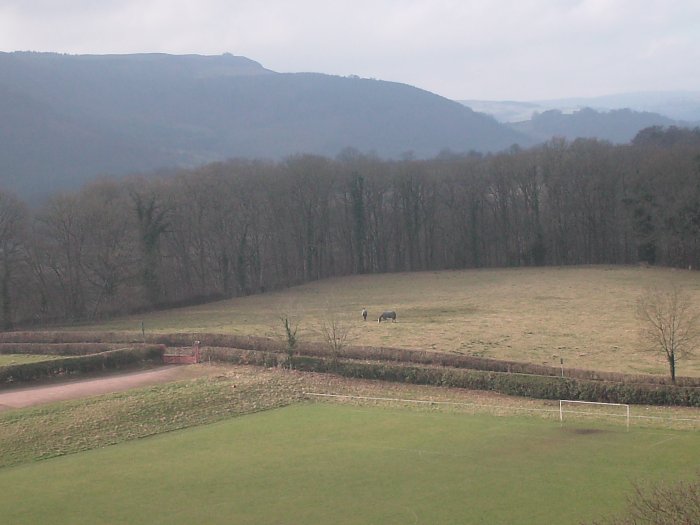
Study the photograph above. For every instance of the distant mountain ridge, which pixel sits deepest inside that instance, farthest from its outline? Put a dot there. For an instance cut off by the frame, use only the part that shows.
(618, 126)
(615, 118)
(679, 106)
(65, 119)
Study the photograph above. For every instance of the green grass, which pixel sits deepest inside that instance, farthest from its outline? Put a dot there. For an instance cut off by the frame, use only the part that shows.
(19, 359)
(585, 315)
(319, 463)
(72, 426)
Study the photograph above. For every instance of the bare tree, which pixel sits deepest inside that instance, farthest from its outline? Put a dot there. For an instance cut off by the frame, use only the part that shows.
(291, 327)
(110, 245)
(662, 504)
(63, 229)
(153, 223)
(285, 324)
(668, 323)
(336, 333)
(13, 223)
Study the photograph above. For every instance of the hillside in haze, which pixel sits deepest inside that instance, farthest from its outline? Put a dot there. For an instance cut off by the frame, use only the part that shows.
(615, 118)
(65, 119)
(617, 126)
(679, 106)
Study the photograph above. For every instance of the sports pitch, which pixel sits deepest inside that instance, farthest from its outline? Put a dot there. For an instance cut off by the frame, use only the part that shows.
(324, 463)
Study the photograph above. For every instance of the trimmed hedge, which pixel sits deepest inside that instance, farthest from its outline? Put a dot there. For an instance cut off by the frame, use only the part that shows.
(403, 355)
(540, 387)
(399, 355)
(239, 356)
(525, 385)
(110, 360)
(57, 348)
(70, 337)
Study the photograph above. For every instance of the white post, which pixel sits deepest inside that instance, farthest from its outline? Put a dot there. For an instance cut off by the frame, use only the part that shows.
(561, 412)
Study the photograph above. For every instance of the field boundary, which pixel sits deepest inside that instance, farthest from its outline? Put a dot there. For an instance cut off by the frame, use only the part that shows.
(552, 411)
(310, 349)
(429, 402)
(123, 358)
(397, 365)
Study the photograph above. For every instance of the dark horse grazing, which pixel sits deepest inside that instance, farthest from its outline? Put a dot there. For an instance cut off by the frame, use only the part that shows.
(387, 315)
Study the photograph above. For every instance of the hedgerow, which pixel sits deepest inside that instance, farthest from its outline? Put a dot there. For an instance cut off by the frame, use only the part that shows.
(516, 384)
(110, 360)
(407, 365)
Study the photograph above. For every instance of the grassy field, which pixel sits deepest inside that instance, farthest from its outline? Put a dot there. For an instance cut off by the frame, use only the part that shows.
(18, 359)
(320, 463)
(210, 450)
(583, 315)
(207, 394)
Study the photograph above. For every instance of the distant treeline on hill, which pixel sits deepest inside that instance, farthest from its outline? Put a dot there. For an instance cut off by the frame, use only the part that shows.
(244, 227)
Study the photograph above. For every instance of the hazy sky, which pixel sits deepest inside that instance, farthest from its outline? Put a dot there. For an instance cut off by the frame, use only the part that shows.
(462, 49)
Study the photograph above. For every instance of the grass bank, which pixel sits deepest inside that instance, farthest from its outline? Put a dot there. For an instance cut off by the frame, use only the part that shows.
(73, 426)
(218, 392)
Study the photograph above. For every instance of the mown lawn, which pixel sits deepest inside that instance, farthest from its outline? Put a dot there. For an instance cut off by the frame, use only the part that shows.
(583, 315)
(320, 463)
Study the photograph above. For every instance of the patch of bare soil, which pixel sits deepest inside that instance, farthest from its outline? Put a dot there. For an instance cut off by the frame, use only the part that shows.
(585, 431)
(81, 388)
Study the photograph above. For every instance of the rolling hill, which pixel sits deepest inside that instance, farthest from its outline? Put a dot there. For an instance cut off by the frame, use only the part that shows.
(615, 118)
(680, 106)
(618, 126)
(65, 119)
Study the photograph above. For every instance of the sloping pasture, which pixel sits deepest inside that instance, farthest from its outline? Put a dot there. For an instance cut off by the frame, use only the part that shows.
(320, 463)
(584, 316)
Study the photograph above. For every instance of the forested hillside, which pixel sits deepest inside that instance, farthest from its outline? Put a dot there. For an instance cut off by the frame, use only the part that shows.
(65, 119)
(619, 126)
(242, 227)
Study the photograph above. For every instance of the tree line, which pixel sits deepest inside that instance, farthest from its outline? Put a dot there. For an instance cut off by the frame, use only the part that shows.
(243, 226)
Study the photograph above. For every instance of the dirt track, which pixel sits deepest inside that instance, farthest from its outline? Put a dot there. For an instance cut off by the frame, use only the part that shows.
(36, 395)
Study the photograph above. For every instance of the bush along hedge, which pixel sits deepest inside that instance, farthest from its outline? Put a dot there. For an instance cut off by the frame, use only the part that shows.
(70, 337)
(399, 355)
(404, 355)
(525, 385)
(57, 348)
(540, 387)
(110, 360)
(239, 356)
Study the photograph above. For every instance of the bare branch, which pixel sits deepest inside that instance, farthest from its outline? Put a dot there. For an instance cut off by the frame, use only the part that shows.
(336, 332)
(668, 324)
(662, 504)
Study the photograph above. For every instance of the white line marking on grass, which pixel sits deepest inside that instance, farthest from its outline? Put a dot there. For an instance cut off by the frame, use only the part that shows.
(660, 418)
(430, 402)
(492, 407)
(415, 516)
(663, 441)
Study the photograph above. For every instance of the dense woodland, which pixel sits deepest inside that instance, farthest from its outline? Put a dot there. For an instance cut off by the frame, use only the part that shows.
(243, 227)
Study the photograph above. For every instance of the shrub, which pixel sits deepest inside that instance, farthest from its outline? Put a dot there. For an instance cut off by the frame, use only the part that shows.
(457, 370)
(56, 348)
(540, 387)
(110, 360)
